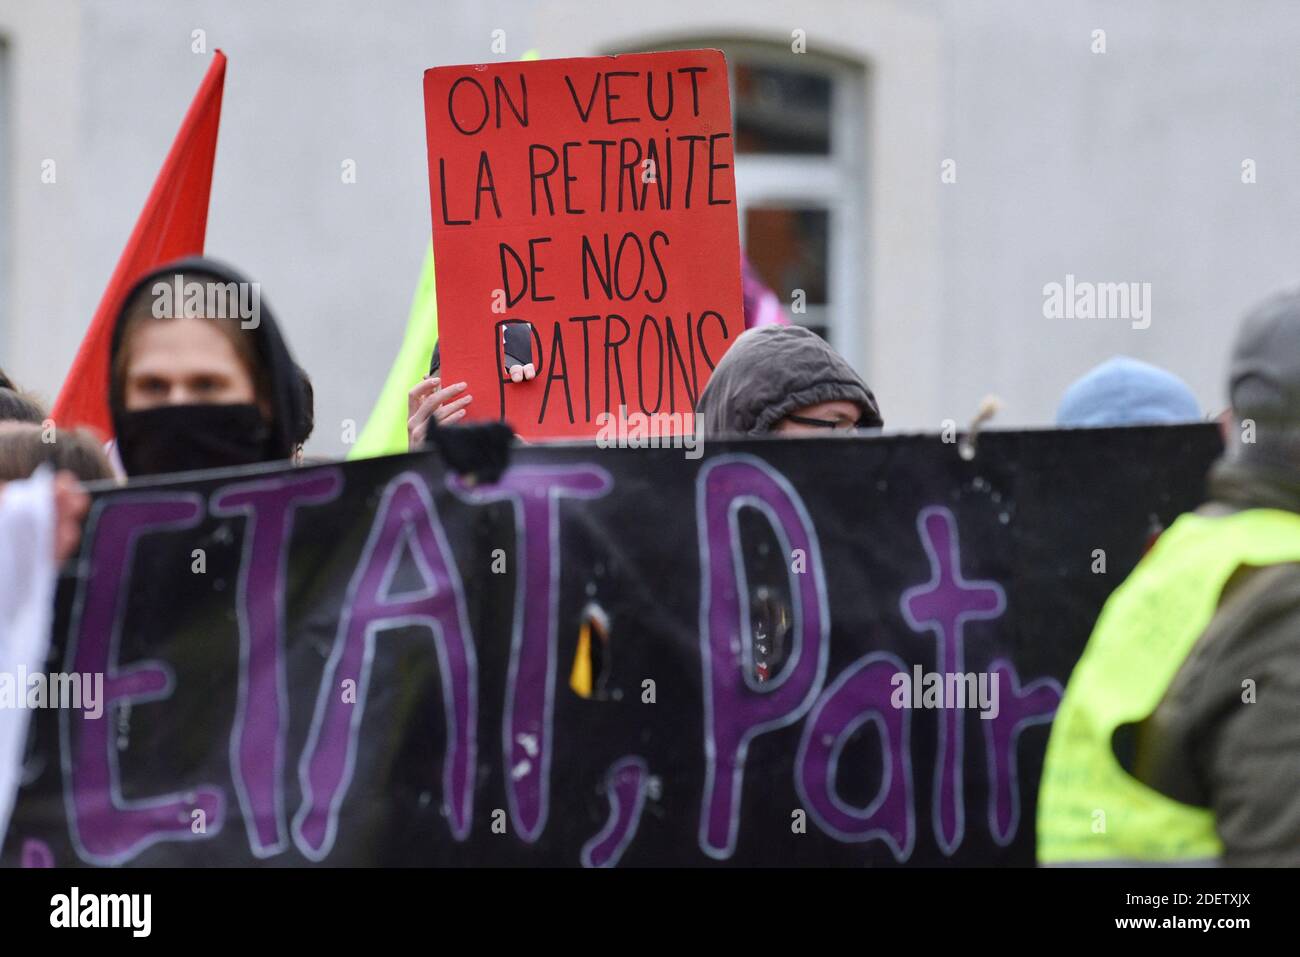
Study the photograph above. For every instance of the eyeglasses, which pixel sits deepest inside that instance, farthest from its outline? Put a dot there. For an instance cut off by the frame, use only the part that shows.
(838, 425)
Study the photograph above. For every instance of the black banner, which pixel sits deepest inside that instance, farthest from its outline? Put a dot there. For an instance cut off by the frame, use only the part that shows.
(802, 652)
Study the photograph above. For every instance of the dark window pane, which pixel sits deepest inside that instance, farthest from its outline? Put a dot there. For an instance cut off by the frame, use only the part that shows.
(779, 110)
(789, 249)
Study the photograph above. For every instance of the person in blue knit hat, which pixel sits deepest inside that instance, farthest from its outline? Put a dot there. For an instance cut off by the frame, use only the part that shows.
(1124, 391)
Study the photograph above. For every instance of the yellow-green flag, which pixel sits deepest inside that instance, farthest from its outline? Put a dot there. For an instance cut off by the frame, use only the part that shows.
(385, 431)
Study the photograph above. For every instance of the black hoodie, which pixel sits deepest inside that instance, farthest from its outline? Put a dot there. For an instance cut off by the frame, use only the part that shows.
(285, 392)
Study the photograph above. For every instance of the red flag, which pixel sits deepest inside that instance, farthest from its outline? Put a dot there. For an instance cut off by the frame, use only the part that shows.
(171, 225)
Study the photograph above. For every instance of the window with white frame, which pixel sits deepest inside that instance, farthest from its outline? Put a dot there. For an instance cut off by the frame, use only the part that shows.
(801, 180)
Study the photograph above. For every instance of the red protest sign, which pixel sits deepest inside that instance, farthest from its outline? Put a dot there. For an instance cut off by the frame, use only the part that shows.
(593, 199)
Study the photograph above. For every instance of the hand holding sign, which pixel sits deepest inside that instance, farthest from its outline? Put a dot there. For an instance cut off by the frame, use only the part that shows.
(430, 400)
(446, 406)
(591, 204)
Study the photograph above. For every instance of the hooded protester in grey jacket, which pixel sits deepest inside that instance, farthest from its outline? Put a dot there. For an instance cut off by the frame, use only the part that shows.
(773, 371)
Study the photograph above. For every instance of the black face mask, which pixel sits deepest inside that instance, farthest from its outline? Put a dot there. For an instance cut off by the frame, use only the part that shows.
(182, 438)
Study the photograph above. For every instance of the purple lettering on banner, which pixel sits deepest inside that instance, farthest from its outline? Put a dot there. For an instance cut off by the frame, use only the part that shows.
(735, 709)
(257, 745)
(406, 516)
(1036, 703)
(943, 605)
(534, 492)
(860, 694)
(625, 784)
(36, 853)
(105, 828)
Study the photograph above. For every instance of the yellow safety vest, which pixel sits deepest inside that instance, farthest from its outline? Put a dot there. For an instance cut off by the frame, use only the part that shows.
(1090, 810)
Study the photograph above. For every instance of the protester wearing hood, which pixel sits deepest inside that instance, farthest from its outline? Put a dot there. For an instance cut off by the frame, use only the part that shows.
(1124, 391)
(1182, 718)
(200, 376)
(784, 380)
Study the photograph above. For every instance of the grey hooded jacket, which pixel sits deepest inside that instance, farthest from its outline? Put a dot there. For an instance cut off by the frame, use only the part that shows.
(772, 371)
